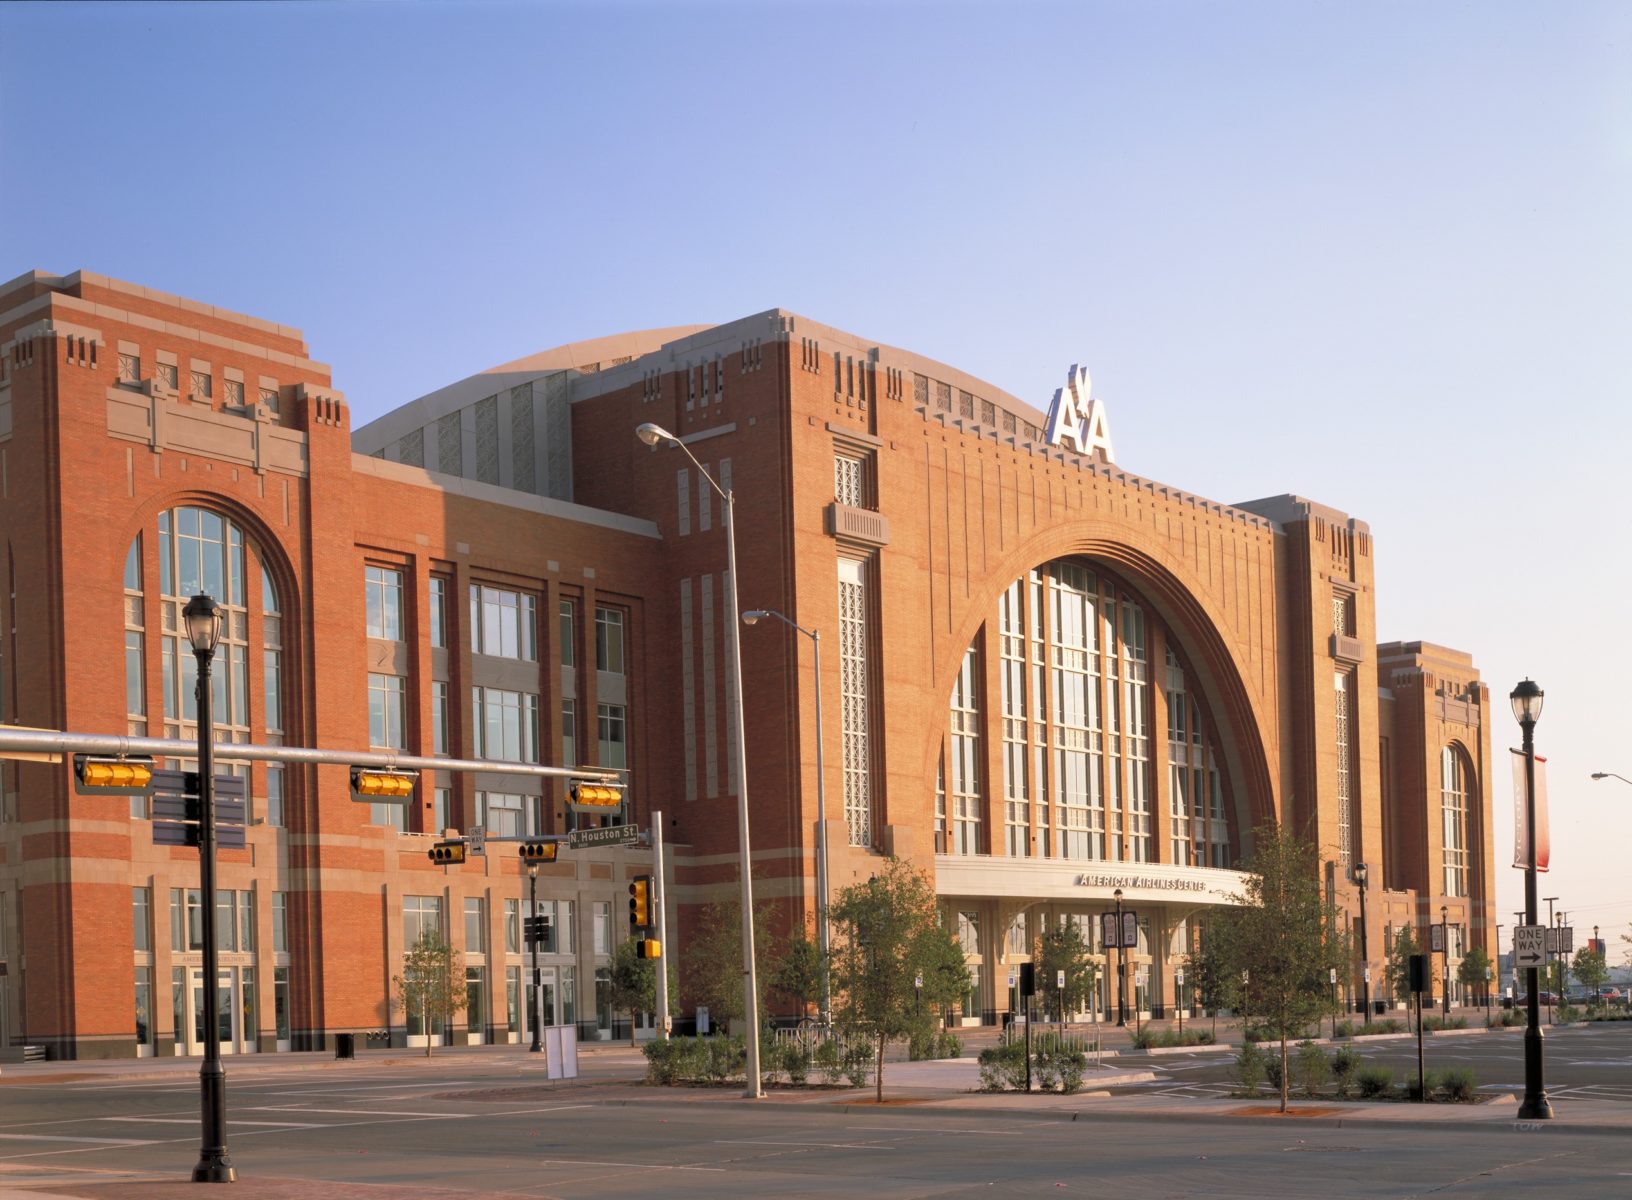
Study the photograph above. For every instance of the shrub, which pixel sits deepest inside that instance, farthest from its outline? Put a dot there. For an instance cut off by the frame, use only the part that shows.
(1144, 1038)
(1003, 1066)
(1374, 1082)
(948, 1045)
(1512, 1017)
(770, 1056)
(828, 1061)
(662, 1062)
(1344, 1029)
(1272, 1069)
(1250, 1067)
(1431, 1083)
(1567, 1014)
(858, 1064)
(727, 1056)
(1458, 1084)
(1311, 1068)
(921, 1045)
(1072, 1065)
(796, 1059)
(1345, 1062)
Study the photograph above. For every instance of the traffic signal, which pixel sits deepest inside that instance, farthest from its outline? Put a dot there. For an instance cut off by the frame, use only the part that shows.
(538, 932)
(381, 786)
(640, 901)
(94, 776)
(648, 948)
(596, 796)
(447, 854)
(539, 852)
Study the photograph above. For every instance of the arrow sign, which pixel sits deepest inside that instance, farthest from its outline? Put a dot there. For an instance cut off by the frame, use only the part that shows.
(1529, 945)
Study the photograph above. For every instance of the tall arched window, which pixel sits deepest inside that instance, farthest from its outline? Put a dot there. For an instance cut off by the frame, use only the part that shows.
(1076, 727)
(1453, 791)
(199, 550)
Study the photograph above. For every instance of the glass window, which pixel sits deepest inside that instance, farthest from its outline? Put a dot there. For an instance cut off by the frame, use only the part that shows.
(1454, 822)
(280, 922)
(226, 921)
(141, 919)
(246, 920)
(383, 590)
(280, 1002)
(274, 795)
(512, 926)
(441, 806)
(609, 640)
(503, 623)
(603, 927)
(506, 725)
(386, 711)
(475, 925)
(569, 732)
(566, 621)
(507, 814)
(439, 717)
(420, 915)
(439, 612)
(144, 1006)
(613, 746)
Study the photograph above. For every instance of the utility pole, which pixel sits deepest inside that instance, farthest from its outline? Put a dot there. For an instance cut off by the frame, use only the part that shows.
(658, 890)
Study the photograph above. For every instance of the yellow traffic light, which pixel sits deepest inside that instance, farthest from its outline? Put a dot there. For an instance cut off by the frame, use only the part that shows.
(103, 776)
(539, 852)
(447, 854)
(648, 948)
(640, 901)
(596, 795)
(385, 786)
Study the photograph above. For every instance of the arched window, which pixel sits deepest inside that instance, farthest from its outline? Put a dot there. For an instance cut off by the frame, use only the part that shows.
(202, 551)
(1075, 717)
(1453, 791)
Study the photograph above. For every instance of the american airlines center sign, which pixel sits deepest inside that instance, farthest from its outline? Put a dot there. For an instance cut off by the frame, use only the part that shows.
(1076, 420)
(1014, 878)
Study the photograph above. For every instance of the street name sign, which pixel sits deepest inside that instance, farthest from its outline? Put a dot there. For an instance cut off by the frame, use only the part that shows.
(1529, 945)
(606, 835)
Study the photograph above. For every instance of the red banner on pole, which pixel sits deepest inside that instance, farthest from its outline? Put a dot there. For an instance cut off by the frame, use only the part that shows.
(1521, 839)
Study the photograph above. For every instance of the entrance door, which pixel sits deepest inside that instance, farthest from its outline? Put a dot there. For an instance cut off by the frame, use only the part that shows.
(229, 1014)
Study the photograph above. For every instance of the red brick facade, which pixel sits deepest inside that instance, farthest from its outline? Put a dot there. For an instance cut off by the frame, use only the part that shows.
(1243, 616)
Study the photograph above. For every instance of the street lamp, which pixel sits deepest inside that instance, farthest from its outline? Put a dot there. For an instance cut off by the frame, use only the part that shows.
(1121, 965)
(1365, 957)
(202, 617)
(1445, 956)
(537, 931)
(1611, 775)
(751, 617)
(1526, 699)
(652, 434)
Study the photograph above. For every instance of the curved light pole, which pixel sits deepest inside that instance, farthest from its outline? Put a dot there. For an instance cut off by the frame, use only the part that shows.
(652, 434)
(202, 617)
(1611, 775)
(751, 617)
(1527, 698)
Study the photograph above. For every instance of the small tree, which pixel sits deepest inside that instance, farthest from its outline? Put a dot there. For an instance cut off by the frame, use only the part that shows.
(797, 972)
(431, 983)
(634, 982)
(1589, 968)
(1281, 937)
(1216, 983)
(714, 961)
(1062, 948)
(1398, 966)
(1474, 971)
(888, 934)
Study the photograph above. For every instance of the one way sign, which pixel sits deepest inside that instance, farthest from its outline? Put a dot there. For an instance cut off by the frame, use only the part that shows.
(1529, 945)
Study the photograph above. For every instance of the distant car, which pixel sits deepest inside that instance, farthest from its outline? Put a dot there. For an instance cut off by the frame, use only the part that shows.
(1547, 999)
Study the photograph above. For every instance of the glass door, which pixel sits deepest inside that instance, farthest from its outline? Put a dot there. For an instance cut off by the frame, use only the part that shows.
(229, 1014)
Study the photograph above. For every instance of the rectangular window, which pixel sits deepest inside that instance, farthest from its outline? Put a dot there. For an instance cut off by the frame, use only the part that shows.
(609, 640)
(613, 745)
(441, 809)
(420, 915)
(566, 623)
(226, 920)
(439, 717)
(506, 725)
(275, 814)
(246, 921)
(387, 703)
(475, 925)
(135, 677)
(503, 624)
(141, 919)
(280, 922)
(507, 814)
(144, 1006)
(512, 926)
(439, 612)
(383, 594)
(603, 927)
(855, 716)
(569, 732)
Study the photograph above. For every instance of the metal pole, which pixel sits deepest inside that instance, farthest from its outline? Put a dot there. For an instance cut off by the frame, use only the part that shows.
(1121, 967)
(1445, 958)
(1365, 958)
(823, 934)
(659, 890)
(1536, 1105)
(538, 988)
(750, 982)
(214, 1162)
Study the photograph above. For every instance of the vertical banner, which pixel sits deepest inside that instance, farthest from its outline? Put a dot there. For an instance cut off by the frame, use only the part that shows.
(1521, 840)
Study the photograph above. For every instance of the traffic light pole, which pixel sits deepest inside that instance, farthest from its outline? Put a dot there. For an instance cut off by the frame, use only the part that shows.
(538, 989)
(661, 925)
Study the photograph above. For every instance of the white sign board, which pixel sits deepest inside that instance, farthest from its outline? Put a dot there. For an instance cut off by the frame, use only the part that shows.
(561, 1049)
(1521, 822)
(476, 841)
(1529, 945)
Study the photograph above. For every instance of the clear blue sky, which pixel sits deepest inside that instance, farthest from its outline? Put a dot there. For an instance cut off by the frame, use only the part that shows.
(1376, 254)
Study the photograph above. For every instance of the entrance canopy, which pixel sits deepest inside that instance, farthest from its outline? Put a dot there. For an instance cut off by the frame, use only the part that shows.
(1002, 877)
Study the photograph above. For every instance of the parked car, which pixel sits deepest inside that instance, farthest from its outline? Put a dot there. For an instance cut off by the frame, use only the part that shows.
(1547, 1000)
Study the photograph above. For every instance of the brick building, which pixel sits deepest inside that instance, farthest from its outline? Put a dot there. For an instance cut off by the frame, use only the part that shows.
(1046, 679)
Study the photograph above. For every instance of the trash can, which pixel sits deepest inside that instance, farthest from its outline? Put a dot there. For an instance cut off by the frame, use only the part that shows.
(345, 1045)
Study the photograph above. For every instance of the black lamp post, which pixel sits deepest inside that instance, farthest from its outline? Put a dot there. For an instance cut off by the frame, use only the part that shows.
(1121, 965)
(1445, 955)
(1365, 955)
(537, 931)
(203, 619)
(1526, 700)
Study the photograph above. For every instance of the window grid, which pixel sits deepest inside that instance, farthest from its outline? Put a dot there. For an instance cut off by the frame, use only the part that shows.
(855, 717)
(967, 793)
(1454, 821)
(383, 602)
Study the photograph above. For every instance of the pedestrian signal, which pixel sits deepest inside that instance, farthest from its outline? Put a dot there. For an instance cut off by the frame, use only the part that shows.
(648, 948)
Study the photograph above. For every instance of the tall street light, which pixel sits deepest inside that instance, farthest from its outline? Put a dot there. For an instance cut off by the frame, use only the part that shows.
(1365, 957)
(751, 617)
(1121, 964)
(1526, 699)
(1611, 775)
(652, 434)
(203, 620)
(535, 936)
